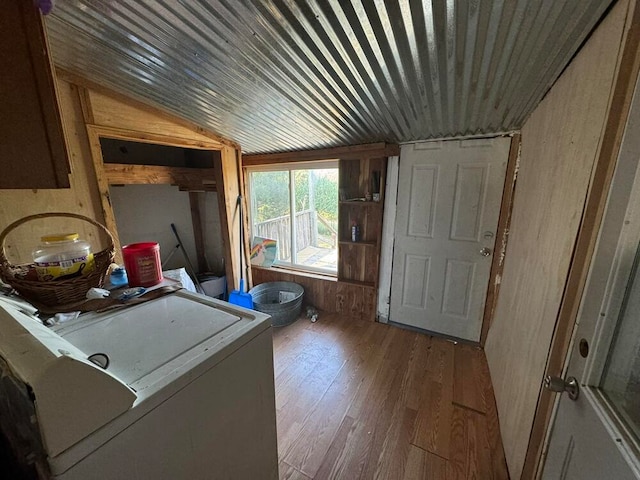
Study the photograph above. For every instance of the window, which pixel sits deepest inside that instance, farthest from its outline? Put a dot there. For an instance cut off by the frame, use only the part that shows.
(298, 207)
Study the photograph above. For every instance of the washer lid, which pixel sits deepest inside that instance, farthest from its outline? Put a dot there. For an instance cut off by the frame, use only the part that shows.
(149, 341)
(73, 397)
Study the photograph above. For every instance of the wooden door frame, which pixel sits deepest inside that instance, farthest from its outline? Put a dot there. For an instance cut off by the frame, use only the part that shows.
(95, 132)
(502, 236)
(502, 229)
(610, 141)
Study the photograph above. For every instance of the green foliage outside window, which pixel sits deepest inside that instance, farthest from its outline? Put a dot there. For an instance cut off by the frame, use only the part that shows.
(271, 193)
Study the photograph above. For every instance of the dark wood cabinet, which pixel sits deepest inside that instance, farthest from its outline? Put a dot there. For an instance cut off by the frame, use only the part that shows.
(33, 151)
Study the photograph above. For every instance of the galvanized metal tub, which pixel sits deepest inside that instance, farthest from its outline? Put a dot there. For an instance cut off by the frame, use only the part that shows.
(281, 300)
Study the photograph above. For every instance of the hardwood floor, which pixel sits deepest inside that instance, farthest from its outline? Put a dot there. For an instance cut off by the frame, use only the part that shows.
(363, 400)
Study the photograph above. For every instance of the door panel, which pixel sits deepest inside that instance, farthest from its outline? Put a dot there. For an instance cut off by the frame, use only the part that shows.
(422, 210)
(444, 219)
(458, 283)
(468, 206)
(575, 456)
(416, 280)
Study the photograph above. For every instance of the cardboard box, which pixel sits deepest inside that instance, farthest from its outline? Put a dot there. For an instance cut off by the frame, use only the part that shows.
(214, 286)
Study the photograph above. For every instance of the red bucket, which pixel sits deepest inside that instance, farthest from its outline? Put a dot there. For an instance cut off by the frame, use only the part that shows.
(142, 263)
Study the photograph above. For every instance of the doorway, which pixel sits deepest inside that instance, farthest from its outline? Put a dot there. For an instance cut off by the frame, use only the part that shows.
(445, 232)
(150, 187)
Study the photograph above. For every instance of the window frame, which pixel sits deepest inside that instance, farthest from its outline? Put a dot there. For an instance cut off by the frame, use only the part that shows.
(291, 167)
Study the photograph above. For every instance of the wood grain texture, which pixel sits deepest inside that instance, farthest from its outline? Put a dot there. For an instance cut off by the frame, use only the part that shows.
(355, 400)
(198, 235)
(142, 136)
(228, 188)
(107, 174)
(114, 116)
(110, 109)
(287, 472)
(498, 460)
(367, 150)
(82, 197)
(433, 432)
(242, 190)
(560, 142)
(359, 261)
(103, 188)
(319, 290)
(424, 465)
(326, 293)
(470, 449)
(32, 130)
(200, 179)
(87, 84)
(468, 382)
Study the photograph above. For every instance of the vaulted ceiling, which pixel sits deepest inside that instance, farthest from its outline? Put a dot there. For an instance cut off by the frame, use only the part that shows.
(288, 75)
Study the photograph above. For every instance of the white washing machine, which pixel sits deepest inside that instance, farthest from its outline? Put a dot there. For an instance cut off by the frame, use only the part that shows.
(182, 388)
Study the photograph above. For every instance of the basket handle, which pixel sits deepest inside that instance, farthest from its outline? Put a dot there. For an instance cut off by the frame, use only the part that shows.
(17, 223)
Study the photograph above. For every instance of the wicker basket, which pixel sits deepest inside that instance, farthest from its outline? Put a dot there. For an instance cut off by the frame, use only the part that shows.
(55, 293)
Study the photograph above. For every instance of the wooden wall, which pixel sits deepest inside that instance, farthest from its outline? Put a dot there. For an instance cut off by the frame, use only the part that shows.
(560, 142)
(111, 115)
(120, 113)
(326, 294)
(350, 294)
(82, 197)
(89, 110)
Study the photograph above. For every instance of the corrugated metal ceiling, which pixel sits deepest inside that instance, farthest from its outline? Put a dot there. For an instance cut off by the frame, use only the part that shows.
(288, 75)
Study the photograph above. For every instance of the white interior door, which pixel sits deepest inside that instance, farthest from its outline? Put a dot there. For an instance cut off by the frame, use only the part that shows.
(597, 436)
(449, 195)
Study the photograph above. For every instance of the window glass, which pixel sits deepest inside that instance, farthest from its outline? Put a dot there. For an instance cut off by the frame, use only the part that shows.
(621, 378)
(270, 201)
(298, 209)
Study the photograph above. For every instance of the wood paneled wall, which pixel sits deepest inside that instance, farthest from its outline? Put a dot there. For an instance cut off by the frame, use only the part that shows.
(326, 294)
(110, 115)
(89, 110)
(110, 109)
(356, 291)
(560, 142)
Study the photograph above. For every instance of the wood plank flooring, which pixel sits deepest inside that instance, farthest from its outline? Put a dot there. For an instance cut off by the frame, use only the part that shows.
(363, 400)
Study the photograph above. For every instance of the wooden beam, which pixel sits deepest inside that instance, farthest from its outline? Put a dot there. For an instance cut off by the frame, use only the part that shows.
(500, 248)
(198, 235)
(198, 188)
(191, 178)
(620, 104)
(226, 171)
(154, 138)
(351, 152)
(242, 185)
(103, 186)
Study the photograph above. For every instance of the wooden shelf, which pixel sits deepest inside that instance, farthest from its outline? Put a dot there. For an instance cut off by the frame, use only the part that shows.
(358, 243)
(357, 283)
(360, 203)
(359, 262)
